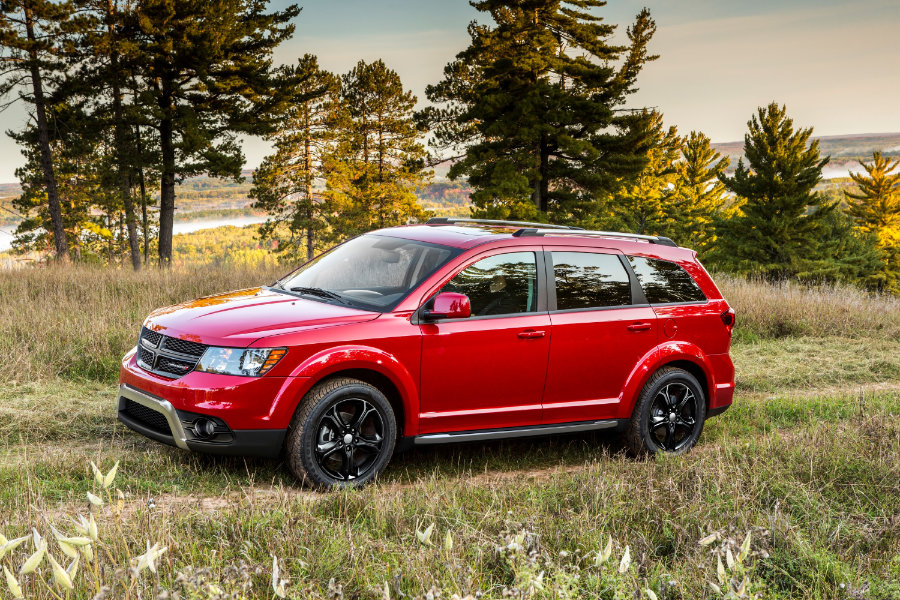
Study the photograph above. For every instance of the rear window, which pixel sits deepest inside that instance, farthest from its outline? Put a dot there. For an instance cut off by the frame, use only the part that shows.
(590, 280)
(665, 282)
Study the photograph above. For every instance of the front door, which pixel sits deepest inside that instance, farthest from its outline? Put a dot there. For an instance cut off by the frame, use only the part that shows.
(599, 336)
(487, 371)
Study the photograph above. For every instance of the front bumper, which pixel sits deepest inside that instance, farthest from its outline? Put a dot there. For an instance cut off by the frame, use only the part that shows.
(157, 419)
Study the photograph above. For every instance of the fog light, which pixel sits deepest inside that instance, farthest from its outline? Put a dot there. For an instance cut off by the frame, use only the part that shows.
(205, 428)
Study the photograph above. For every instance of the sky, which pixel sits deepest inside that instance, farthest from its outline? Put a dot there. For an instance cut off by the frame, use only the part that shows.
(832, 62)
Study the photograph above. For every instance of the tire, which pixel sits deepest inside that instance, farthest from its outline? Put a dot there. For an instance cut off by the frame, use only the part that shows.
(668, 415)
(342, 435)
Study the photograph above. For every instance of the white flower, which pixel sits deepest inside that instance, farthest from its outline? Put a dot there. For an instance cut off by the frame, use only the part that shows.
(626, 560)
(12, 584)
(34, 560)
(59, 574)
(277, 582)
(147, 560)
(425, 536)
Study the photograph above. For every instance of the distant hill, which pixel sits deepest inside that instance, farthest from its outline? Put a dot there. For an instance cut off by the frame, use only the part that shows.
(845, 150)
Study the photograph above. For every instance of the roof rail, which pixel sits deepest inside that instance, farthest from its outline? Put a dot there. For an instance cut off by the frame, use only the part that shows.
(465, 220)
(653, 239)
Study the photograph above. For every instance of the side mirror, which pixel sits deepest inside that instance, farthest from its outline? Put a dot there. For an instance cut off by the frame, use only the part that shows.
(449, 305)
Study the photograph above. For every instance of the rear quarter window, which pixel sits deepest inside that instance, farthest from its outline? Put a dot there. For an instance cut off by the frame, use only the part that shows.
(665, 282)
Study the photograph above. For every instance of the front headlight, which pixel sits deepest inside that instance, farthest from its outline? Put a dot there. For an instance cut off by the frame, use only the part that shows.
(247, 362)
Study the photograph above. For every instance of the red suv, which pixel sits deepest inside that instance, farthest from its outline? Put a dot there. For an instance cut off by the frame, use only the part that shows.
(456, 330)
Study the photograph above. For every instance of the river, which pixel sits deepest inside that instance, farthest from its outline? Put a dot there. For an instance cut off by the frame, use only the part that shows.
(179, 227)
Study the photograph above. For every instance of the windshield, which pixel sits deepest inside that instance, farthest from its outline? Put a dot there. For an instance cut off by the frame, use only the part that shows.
(373, 272)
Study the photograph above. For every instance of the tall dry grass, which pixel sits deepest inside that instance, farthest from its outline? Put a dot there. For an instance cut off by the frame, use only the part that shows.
(77, 321)
(789, 308)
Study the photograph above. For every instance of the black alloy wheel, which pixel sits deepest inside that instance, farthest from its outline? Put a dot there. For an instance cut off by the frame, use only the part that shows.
(668, 415)
(673, 416)
(350, 438)
(342, 435)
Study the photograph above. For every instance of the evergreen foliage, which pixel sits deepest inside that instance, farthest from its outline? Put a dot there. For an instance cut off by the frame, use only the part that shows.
(875, 209)
(536, 102)
(700, 197)
(645, 203)
(778, 228)
(30, 45)
(288, 184)
(208, 72)
(378, 159)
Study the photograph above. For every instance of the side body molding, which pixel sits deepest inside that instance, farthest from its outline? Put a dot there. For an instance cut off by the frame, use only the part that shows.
(341, 358)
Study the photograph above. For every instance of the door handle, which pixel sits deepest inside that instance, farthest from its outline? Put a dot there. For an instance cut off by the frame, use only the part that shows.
(639, 327)
(531, 334)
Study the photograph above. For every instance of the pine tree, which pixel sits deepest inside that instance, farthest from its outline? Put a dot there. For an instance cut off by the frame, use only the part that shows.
(779, 225)
(875, 209)
(876, 204)
(29, 34)
(699, 195)
(379, 160)
(287, 185)
(536, 104)
(644, 204)
(207, 69)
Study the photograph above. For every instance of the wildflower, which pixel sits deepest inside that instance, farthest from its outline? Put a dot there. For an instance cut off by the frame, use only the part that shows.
(626, 560)
(95, 500)
(425, 536)
(34, 560)
(12, 584)
(277, 583)
(10, 545)
(448, 542)
(604, 555)
(59, 574)
(148, 559)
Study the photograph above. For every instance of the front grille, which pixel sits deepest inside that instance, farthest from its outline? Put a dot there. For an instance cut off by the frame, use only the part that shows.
(151, 336)
(147, 417)
(184, 346)
(167, 356)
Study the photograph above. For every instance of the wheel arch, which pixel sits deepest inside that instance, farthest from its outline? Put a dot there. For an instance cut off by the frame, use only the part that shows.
(678, 354)
(373, 366)
(382, 383)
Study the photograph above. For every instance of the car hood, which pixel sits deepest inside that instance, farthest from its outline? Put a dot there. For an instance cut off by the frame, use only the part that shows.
(239, 318)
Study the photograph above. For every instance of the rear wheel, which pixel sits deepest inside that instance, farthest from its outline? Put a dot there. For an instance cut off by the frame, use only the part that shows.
(669, 414)
(342, 435)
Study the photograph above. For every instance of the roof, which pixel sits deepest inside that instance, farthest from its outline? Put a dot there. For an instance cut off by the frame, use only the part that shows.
(466, 234)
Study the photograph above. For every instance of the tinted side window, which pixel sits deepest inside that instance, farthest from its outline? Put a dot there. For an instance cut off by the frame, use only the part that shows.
(590, 280)
(664, 281)
(499, 285)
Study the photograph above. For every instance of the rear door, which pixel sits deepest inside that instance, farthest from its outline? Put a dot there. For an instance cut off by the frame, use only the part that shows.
(601, 329)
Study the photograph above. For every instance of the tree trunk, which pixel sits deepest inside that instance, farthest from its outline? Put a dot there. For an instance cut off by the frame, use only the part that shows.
(120, 141)
(167, 178)
(59, 232)
(310, 242)
(545, 177)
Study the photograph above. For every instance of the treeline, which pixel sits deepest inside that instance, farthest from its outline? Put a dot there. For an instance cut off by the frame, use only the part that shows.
(125, 98)
(533, 116)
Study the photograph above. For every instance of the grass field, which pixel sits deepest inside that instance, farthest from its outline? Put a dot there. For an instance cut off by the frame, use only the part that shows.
(807, 461)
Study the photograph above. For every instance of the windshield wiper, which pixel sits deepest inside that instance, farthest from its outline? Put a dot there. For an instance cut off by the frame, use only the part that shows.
(314, 291)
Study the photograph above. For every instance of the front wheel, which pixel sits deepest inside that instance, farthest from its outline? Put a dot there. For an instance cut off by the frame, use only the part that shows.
(669, 414)
(342, 435)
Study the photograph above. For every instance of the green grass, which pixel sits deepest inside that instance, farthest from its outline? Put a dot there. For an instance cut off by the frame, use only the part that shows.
(807, 459)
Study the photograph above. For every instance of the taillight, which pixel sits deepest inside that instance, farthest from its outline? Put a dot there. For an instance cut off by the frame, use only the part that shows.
(728, 318)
